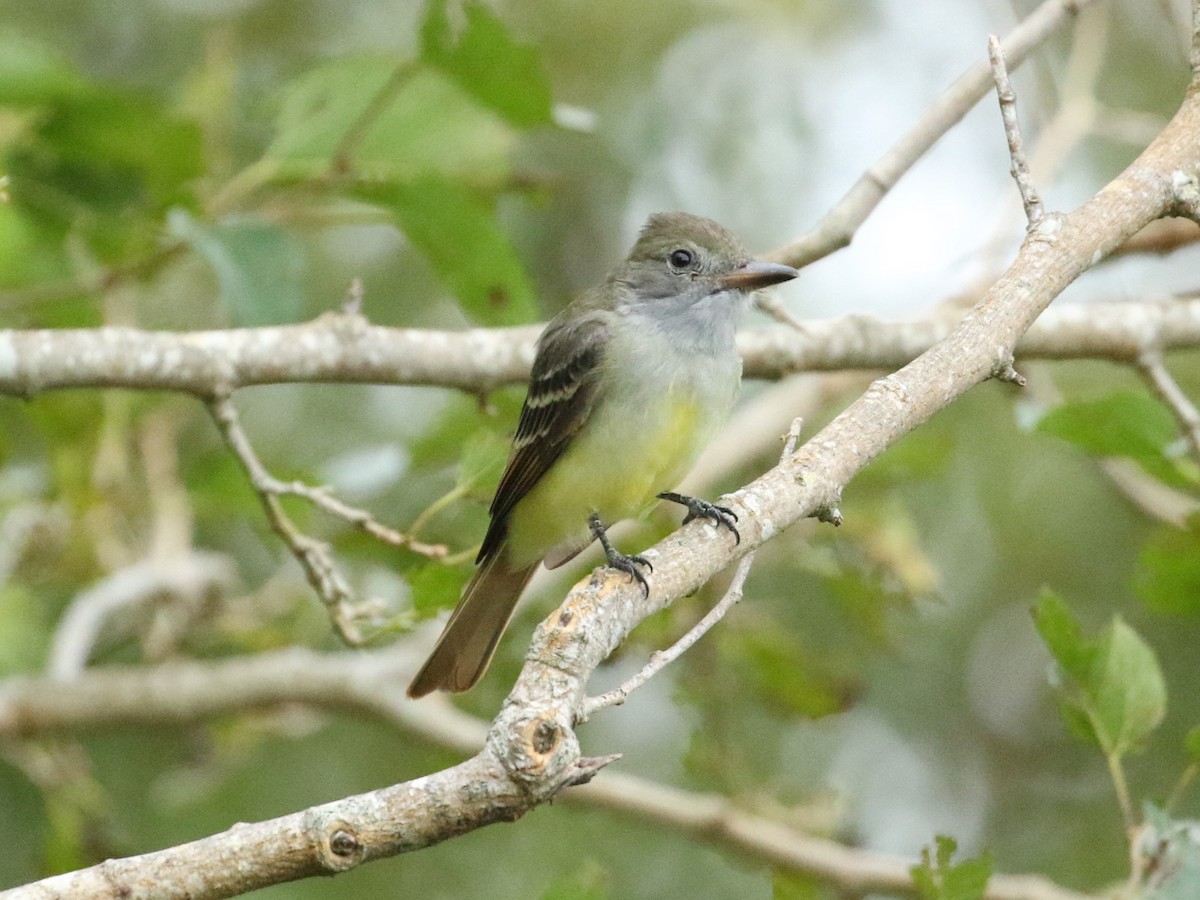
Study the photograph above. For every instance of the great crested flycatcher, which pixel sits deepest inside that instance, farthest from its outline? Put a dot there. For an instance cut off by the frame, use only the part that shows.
(629, 382)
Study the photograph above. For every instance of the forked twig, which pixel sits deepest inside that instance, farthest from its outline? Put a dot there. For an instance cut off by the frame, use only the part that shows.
(660, 659)
(315, 556)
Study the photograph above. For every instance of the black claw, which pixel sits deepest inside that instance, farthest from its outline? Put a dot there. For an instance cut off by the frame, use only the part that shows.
(629, 565)
(641, 561)
(619, 561)
(702, 509)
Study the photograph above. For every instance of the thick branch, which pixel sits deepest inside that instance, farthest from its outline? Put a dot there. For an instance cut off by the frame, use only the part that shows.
(322, 840)
(340, 348)
(373, 682)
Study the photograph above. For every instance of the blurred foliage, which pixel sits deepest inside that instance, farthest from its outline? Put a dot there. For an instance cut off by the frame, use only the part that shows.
(186, 166)
(1127, 424)
(1173, 852)
(939, 879)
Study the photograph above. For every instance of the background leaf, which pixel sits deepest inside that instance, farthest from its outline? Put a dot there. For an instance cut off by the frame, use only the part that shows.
(486, 62)
(435, 587)
(259, 267)
(429, 125)
(937, 878)
(456, 230)
(1114, 679)
(1126, 424)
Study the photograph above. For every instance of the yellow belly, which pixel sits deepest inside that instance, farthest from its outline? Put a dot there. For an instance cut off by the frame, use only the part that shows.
(617, 463)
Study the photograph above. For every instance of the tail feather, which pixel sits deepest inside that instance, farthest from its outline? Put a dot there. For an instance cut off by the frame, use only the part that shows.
(462, 653)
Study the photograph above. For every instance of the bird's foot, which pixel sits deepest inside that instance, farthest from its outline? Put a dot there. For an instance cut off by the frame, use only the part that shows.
(702, 509)
(617, 559)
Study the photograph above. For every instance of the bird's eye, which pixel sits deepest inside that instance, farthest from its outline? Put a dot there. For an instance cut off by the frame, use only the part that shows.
(681, 259)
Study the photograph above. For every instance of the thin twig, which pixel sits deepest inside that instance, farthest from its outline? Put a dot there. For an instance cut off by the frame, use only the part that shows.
(321, 497)
(315, 557)
(840, 224)
(659, 660)
(1149, 494)
(1121, 787)
(1154, 370)
(1030, 199)
(352, 303)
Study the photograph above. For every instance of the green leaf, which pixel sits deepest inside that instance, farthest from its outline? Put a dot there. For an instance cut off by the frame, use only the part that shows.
(1063, 636)
(28, 252)
(441, 443)
(1168, 574)
(1127, 424)
(1130, 694)
(487, 63)
(97, 161)
(428, 126)
(458, 233)
(1113, 681)
(259, 267)
(435, 587)
(937, 879)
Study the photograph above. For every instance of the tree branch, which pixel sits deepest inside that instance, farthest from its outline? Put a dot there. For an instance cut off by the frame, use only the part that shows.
(314, 556)
(187, 577)
(339, 349)
(373, 682)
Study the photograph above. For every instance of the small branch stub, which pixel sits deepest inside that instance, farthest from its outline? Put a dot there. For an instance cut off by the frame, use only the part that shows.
(353, 303)
(1004, 371)
(830, 515)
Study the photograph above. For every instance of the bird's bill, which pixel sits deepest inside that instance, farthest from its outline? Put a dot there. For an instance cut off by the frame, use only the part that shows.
(756, 274)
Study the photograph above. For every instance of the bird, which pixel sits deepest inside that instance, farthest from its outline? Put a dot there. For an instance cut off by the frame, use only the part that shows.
(629, 382)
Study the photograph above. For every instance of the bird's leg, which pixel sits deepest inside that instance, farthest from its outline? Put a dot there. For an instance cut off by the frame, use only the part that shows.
(616, 559)
(702, 509)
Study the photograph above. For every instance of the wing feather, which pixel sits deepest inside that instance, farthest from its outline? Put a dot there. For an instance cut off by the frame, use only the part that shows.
(562, 393)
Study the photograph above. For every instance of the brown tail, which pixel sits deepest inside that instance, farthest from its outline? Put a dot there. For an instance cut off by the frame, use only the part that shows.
(467, 643)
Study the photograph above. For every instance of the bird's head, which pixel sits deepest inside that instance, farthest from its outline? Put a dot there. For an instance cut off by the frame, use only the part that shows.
(681, 254)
